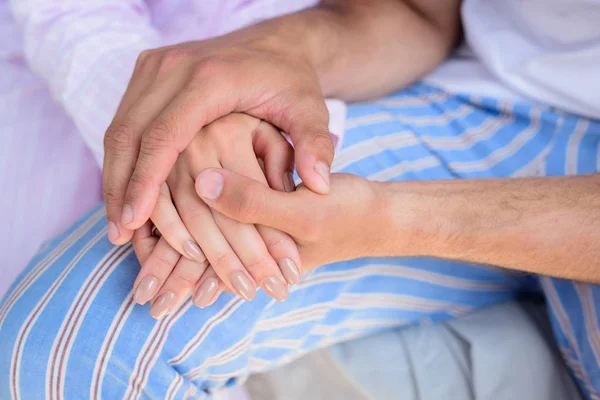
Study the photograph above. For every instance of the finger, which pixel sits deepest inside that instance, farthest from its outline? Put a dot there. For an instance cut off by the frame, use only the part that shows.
(122, 145)
(279, 245)
(155, 271)
(144, 241)
(177, 287)
(162, 142)
(249, 201)
(309, 132)
(208, 289)
(253, 253)
(171, 227)
(199, 221)
(277, 155)
(112, 186)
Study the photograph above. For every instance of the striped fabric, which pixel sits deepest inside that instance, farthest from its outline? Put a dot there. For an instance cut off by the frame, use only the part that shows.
(64, 66)
(70, 330)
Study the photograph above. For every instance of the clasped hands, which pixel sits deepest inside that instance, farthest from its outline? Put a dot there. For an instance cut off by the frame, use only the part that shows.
(220, 104)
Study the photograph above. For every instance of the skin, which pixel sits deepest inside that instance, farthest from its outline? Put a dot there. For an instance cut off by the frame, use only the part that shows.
(548, 226)
(278, 71)
(236, 142)
(291, 63)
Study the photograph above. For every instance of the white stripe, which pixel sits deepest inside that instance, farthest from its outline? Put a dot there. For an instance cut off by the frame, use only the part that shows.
(424, 99)
(15, 368)
(152, 349)
(108, 347)
(214, 321)
(173, 387)
(565, 326)
(502, 153)
(403, 167)
(74, 318)
(572, 150)
(590, 318)
(43, 264)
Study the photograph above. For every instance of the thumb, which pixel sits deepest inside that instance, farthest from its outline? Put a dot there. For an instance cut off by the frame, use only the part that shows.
(313, 145)
(251, 202)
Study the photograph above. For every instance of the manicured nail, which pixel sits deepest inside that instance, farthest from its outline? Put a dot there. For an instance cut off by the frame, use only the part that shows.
(127, 214)
(275, 288)
(193, 251)
(243, 286)
(163, 305)
(146, 290)
(323, 171)
(113, 231)
(206, 292)
(290, 271)
(209, 184)
(288, 182)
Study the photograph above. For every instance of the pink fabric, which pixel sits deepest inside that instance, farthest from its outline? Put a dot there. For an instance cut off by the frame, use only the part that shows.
(64, 65)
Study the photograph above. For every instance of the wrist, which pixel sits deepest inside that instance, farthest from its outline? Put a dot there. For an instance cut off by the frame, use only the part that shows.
(415, 220)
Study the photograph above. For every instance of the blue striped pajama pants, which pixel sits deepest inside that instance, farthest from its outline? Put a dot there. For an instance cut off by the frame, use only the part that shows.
(69, 328)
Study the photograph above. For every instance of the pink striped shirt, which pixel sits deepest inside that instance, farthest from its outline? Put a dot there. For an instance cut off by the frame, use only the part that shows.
(64, 66)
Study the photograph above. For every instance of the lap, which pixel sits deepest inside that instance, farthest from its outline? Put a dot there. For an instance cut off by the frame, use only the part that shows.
(69, 325)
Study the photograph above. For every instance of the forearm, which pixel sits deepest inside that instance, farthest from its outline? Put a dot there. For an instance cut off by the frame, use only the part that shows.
(548, 226)
(363, 49)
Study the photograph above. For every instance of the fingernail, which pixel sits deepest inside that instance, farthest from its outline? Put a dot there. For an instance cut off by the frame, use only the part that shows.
(275, 288)
(323, 171)
(146, 290)
(288, 182)
(163, 305)
(193, 251)
(210, 184)
(206, 292)
(290, 271)
(113, 231)
(127, 214)
(243, 286)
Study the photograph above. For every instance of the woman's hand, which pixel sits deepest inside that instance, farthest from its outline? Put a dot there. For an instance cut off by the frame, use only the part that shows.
(341, 225)
(177, 90)
(242, 256)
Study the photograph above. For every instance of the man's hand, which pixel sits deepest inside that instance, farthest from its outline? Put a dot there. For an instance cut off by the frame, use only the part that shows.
(277, 71)
(177, 90)
(547, 226)
(340, 226)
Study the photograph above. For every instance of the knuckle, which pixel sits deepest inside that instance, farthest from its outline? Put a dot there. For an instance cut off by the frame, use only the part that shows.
(167, 259)
(210, 67)
(186, 277)
(223, 261)
(119, 137)
(160, 135)
(170, 59)
(111, 195)
(144, 56)
(261, 267)
(322, 140)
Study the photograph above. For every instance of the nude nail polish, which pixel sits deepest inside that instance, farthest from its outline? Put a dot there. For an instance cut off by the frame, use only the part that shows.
(288, 182)
(243, 285)
(145, 290)
(275, 288)
(205, 292)
(163, 305)
(290, 271)
(113, 231)
(193, 251)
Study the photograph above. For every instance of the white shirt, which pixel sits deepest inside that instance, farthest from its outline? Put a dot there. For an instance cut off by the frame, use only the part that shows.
(544, 50)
